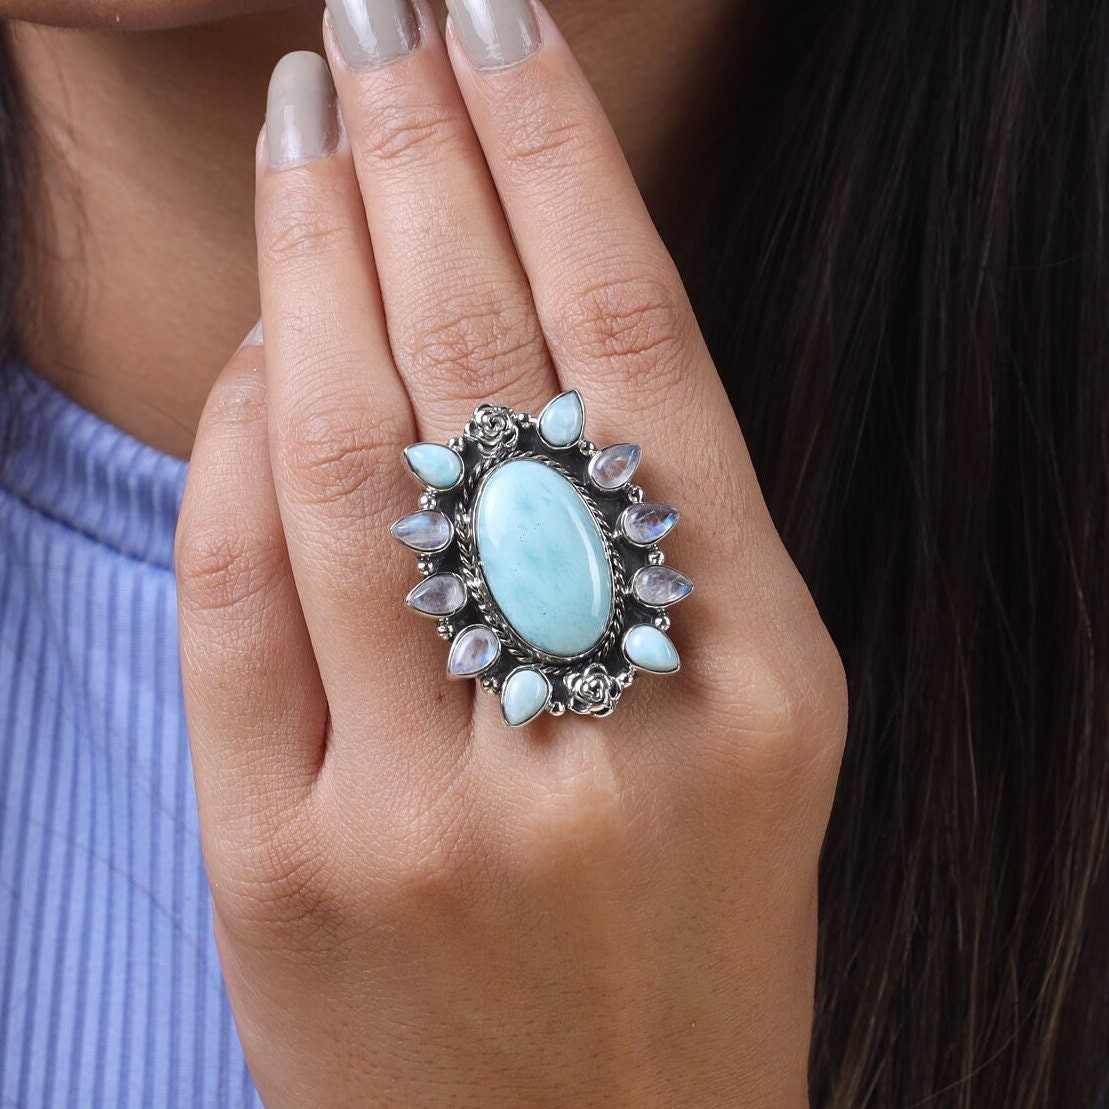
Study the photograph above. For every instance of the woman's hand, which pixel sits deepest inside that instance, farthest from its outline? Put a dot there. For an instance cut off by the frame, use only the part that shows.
(416, 906)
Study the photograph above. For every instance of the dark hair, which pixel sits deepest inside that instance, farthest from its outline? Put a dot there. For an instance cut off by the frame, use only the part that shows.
(910, 307)
(908, 302)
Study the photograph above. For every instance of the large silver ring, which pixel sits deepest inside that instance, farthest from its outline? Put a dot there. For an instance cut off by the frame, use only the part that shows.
(540, 561)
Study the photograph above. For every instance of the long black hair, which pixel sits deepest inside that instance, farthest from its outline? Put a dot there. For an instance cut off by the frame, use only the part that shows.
(910, 307)
(904, 276)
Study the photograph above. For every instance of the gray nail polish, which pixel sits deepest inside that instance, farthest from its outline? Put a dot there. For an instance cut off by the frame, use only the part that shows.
(302, 121)
(256, 338)
(374, 32)
(495, 33)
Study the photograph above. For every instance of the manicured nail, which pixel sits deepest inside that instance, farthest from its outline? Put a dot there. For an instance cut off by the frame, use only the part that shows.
(302, 121)
(495, 33)
(374, 32)
(255, 338)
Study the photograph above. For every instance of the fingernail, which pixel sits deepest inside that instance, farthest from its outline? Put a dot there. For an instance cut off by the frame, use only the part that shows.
(374, 32)
(495, 33)
(302, 121)
(255, 338)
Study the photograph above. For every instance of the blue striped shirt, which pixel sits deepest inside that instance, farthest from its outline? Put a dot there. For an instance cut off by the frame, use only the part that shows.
(110, 987)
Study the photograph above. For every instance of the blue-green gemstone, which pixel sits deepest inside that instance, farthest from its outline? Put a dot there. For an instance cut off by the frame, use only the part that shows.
(437, 466)
(543, 558)
(649, 649)
(524, 697)
(562, 422)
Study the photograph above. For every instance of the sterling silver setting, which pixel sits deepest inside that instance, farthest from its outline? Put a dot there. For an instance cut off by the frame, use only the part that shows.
(454, 589)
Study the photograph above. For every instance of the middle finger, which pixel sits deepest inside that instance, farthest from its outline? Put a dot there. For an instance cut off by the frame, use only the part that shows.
(458, 306)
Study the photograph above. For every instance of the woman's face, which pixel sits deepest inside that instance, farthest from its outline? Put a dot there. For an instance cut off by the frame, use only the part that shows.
(138, 15)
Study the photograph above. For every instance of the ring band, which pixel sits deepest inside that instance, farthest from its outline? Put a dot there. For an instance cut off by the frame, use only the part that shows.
(541, 561)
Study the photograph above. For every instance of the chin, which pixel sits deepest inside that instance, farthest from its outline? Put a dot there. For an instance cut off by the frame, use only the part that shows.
(139, 15)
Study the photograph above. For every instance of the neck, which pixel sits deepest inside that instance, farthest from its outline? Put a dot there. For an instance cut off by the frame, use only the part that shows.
(143, 277)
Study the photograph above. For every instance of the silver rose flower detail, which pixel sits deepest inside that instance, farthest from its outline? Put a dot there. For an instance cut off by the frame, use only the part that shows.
(493, 429)
(593, 691)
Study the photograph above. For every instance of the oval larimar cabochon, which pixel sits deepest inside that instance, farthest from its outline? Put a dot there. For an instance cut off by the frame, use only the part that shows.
(543, 558)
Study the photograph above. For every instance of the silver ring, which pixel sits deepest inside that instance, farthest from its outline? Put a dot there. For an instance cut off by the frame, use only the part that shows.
(541, 561)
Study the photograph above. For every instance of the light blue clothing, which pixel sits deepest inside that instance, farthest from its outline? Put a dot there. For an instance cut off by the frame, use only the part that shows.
(110, 987)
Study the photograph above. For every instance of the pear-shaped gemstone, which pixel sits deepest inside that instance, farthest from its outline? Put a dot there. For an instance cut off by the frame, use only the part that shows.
(441, 595)
(659, 586)
(525, 695)
(473, 652)
(426, 532)
(613, 467)
(562, 422)
(646, 648)
(648, 524)
(437, 466)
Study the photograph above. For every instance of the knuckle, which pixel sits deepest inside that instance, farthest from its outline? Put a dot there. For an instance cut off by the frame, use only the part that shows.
(223, 571)
(398, 131)
(238, 397)
(475, 351)
(788, 717)
(639, 323)
(278, 887)
(312, 227)
(538, 137)
(433, 864)
(582, 814)
(333, 456)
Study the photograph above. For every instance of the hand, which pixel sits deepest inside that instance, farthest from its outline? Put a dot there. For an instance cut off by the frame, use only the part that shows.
(416, 906)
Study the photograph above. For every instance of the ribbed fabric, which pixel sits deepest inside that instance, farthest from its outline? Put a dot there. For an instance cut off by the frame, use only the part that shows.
(110, 987)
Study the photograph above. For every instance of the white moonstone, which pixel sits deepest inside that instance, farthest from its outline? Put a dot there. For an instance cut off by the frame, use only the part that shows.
(562, 422)
(426, 532)
(442, 595)
(659, 586)
(648, 524)
(525, 695)
(613, 467)
(473, 652)
(646, 648)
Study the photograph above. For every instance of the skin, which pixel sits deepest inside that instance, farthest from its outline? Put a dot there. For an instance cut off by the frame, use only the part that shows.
(415, 905)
